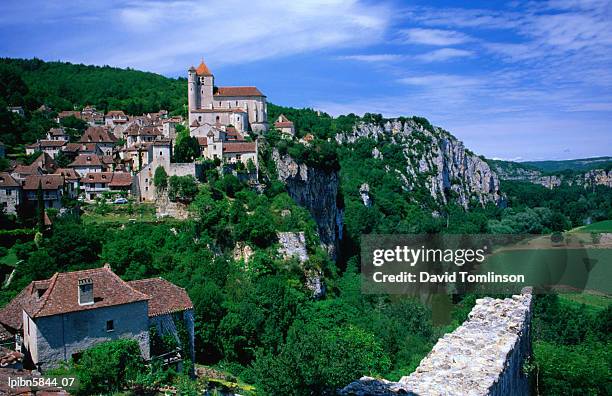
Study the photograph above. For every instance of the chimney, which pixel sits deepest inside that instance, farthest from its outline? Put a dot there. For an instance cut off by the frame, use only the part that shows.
(86, 296)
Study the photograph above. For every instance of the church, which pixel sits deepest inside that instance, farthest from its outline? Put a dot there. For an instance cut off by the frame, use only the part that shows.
(215, 108)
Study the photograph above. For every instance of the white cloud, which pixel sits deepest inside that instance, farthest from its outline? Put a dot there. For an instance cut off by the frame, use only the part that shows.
(444, 54)
(433, 36)
(165, 36)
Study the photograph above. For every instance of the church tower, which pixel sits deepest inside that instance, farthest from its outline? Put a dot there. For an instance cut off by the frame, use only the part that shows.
(192, 87)
(206, 85)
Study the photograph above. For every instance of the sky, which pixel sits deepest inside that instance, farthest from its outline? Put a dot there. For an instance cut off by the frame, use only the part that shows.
(516, 80)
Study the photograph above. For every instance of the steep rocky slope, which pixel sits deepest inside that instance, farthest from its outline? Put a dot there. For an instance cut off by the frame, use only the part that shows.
(317, 190)
(431, 158)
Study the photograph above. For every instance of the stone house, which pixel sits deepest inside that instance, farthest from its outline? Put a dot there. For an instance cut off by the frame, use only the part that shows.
(115, 117)
(52, 189)
(60, 317)
(96, 184)
(57, 134)
(285, 126)
(228, 146)
(101, 136)
(159, 153)
(71, 180)
(51, 147)
(87, 163)
(10, 193)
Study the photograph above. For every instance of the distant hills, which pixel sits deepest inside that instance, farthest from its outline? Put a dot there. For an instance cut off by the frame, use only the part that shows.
(583, 164)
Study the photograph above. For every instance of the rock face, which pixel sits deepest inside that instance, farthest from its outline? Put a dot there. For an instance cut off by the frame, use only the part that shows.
(514, 171)
(317, 191)
(434, 160)
(364, 192)
(293, 244)
(484, 356)
(597, 177)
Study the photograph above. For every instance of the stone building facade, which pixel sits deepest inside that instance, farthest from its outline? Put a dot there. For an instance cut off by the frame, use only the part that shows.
(242, 107)
(10, 193)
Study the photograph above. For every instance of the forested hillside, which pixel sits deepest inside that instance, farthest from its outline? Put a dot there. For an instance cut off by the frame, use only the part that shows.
(256, 318)
(63, 86)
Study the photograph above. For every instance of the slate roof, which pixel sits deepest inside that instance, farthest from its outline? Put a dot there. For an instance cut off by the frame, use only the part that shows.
(166, 297)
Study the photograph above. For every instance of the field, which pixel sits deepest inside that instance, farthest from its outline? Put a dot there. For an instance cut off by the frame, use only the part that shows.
(600, 226)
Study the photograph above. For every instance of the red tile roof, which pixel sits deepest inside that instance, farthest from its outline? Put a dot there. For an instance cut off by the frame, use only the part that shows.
(68, 113)
(60, 293)
(47, 143)
(57, 132)
(68, 173)
(234, 110)
(6, 180)
(121, 179)
(235, 147)
(87, 160)
(97, 135)
(116, 113)
(166, 297)
(114, 179)
(44, 162)
(202, 141)
(203, 70)
(287, 124)
(238, 91)
(25, 170)
(47, 182)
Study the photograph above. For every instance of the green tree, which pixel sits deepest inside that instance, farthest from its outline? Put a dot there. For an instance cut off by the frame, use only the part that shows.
(108, 367)
(160, 178)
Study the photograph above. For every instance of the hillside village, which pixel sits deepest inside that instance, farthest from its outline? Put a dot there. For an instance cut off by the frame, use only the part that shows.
(259, 289)
(114, 160)
(116, 157)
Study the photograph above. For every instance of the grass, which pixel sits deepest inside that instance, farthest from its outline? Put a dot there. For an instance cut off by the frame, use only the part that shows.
(594, 302)
(600, 226)
(95, 214)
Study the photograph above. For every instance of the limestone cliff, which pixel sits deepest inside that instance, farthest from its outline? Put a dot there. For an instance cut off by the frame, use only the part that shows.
(516, 171)
(316, 190)
(432, 159)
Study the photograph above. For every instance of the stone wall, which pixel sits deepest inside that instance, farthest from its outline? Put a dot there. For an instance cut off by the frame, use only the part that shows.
(483, 356)
(58, 337)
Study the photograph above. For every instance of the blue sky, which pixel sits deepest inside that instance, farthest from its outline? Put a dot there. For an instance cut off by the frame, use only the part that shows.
(521, 80)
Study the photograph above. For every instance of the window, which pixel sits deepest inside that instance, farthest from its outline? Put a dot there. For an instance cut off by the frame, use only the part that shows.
(160, 153)
(9, 192)
(110, 325)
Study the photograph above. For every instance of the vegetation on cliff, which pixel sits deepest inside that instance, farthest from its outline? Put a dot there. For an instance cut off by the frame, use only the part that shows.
(254, 315)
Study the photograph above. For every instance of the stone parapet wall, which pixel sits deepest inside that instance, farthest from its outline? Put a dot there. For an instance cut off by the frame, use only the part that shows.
(483, 356)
